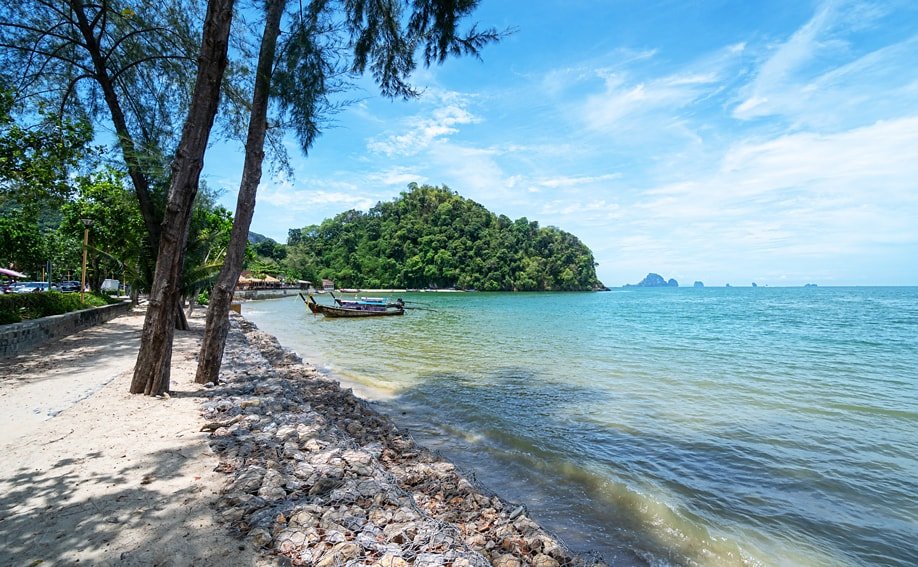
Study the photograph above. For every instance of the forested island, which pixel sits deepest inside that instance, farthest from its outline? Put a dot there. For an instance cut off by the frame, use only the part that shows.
(430, 237)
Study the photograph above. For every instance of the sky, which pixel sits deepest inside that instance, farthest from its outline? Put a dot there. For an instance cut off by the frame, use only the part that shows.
(719, 141)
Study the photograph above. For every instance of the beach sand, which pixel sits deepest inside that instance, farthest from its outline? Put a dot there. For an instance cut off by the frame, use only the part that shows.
(293, 470)
(91, 474)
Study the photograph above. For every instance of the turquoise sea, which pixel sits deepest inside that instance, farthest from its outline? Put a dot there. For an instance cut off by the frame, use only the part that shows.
(715, 426)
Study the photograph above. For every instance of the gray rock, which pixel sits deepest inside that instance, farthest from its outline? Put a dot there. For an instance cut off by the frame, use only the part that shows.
(260, 537)
(288, 541)
(391, 560)
(542, 560)
(339, 554)
(249, 480)
(368, 488)
(506, 560)
(429, 560)
(303, 470)
(304, 519)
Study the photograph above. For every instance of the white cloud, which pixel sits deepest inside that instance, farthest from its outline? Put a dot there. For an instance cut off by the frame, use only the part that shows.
(474, 171)
(555, 82)
(399, 176)
(816, 78)
(798, 194)
(653, 106)
(421, 133)
(310, 194)
(776, 72)
(590, 211)
(574, 181)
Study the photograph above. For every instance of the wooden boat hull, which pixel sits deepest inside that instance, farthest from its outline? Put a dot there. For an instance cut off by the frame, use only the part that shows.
(333, 311)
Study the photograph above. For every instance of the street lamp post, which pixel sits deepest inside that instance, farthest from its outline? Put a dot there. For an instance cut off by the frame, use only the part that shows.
(86, 223)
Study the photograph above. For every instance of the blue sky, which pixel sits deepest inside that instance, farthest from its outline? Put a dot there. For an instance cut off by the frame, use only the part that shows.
(722, 141)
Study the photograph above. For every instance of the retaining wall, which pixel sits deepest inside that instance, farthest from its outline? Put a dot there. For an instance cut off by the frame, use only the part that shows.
(266, 293)
(27, 335)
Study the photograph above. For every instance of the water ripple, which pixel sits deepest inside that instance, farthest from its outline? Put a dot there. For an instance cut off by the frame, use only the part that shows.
(685, 427)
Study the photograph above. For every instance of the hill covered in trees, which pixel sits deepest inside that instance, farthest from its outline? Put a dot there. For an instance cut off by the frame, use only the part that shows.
(432, 237)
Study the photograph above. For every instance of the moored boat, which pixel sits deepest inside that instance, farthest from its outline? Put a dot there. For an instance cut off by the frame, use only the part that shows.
(366, 307)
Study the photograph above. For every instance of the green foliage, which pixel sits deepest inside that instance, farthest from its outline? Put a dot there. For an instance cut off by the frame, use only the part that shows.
(117, 235)
(145, 53)
(16, 307)
(209, 236)
(432, 237)
(35, 159)
(328, 45)
(21, 243)
(268, 248)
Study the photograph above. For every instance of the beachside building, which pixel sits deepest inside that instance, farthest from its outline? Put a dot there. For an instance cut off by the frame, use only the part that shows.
(328, 285)
(247, 280)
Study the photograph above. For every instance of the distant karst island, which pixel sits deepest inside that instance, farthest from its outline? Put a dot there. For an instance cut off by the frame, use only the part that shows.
(654, 280)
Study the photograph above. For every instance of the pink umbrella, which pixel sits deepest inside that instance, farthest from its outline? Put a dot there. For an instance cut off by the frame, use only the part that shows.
(12, 273)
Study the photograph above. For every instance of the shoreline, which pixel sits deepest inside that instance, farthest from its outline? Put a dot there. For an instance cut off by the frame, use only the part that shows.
(293, 469)
(346, 468)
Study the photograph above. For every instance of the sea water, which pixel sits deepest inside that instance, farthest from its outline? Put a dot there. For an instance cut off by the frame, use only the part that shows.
(715, 426)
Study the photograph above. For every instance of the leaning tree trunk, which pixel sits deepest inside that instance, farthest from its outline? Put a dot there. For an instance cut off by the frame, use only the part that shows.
(125, 140)
(151, 373)
(217, 326)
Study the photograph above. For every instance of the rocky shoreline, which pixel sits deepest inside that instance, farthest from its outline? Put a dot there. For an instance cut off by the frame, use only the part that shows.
(316, 477)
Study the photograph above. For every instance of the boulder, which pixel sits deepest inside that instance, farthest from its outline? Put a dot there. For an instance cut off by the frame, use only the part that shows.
(506, 560)
(542, 560)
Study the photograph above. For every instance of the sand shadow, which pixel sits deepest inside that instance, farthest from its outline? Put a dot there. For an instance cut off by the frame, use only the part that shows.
(62, 514)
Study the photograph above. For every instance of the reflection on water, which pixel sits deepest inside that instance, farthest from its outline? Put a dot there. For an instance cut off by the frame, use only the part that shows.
(678, 426)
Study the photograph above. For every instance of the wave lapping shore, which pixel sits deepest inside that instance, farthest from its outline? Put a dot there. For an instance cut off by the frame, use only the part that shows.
(318, 477)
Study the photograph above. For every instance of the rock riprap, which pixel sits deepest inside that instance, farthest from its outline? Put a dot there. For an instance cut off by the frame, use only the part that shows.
(317, 477)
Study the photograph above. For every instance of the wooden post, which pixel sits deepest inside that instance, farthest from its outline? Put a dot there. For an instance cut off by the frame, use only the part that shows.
(83, 276)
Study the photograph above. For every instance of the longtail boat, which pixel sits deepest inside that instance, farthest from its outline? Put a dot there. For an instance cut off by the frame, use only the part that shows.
(367, 307)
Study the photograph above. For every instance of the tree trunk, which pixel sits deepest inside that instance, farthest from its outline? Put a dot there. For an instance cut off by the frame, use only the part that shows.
(128, 149)
(152, 371)
(192, 301)
(181, 322)
(217, 325)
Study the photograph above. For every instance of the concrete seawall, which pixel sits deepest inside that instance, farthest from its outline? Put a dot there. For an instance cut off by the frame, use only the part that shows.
(27, 335)
(266, 293)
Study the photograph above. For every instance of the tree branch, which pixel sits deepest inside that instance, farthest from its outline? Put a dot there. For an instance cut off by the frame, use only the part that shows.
(125, 37)
(133, 64)
(41, 33)
(70, 88)
(34, 51)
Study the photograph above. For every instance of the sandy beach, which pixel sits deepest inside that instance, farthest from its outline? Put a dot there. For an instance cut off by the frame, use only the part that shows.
(289, 468)
(93, 475)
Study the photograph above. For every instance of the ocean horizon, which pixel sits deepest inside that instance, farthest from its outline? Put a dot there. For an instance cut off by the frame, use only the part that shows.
(659, 426)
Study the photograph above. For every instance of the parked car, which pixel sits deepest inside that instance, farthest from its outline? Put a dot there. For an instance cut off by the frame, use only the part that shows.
(68, 286)
(30, 287)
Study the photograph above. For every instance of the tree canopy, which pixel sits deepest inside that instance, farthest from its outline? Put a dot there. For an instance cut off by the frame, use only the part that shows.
(432, 237)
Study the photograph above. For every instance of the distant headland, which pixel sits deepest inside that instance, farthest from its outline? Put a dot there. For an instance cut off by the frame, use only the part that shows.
(654, 280)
